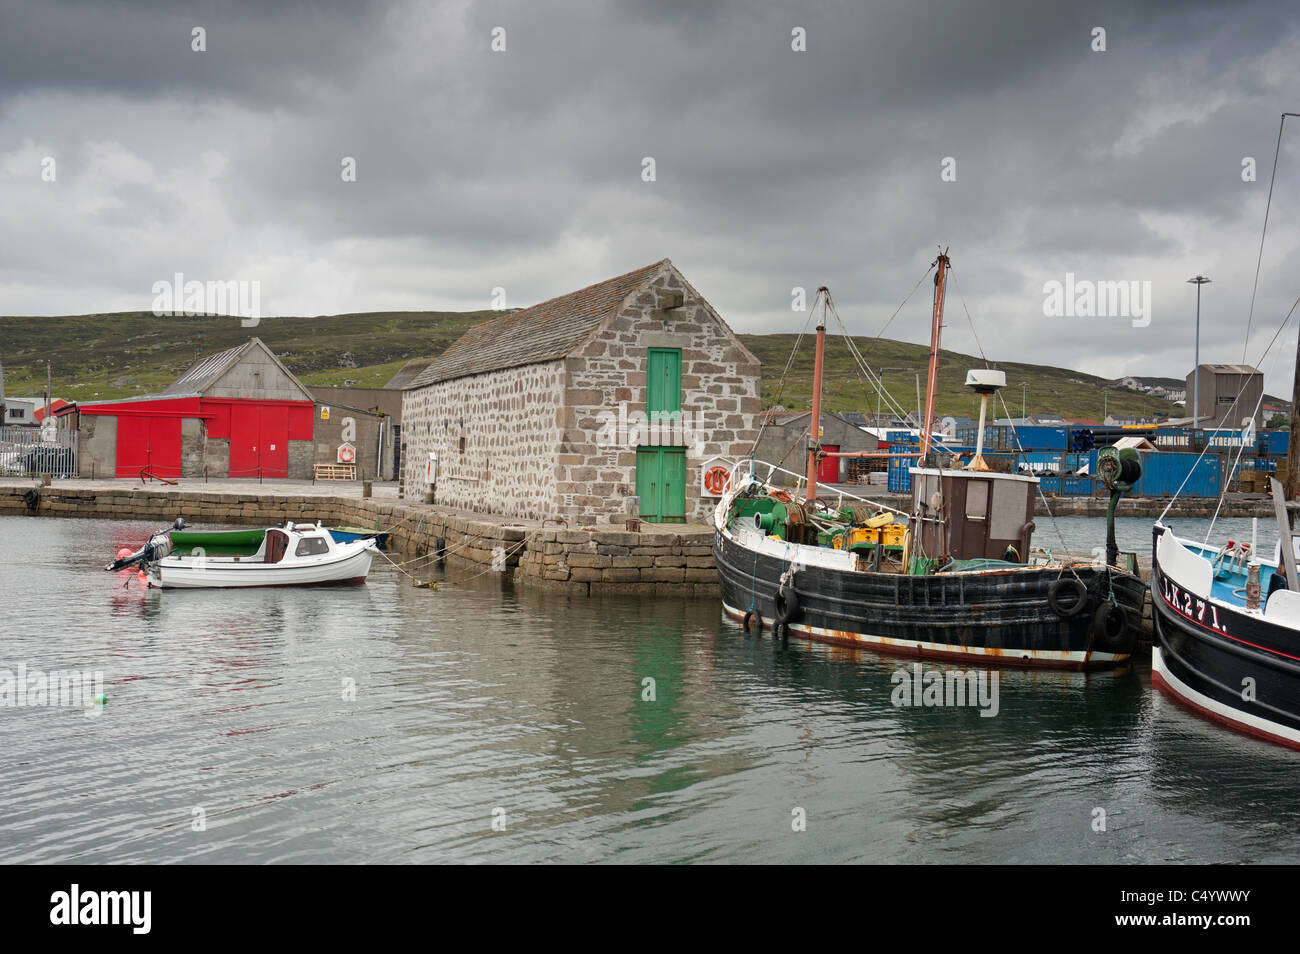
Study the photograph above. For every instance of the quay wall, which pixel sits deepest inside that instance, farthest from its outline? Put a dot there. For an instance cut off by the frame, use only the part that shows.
(587, 561)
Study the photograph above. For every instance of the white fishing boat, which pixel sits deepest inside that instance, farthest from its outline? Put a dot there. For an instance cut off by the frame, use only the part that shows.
(297, 554)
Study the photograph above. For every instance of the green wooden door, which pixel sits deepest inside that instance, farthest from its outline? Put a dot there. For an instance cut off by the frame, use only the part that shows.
(663, 384)
(661, 484)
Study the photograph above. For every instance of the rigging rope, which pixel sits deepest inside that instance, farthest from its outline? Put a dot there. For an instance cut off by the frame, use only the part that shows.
(1259, 261)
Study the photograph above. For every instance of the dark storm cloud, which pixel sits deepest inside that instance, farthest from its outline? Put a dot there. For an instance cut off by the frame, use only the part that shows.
(774, 168)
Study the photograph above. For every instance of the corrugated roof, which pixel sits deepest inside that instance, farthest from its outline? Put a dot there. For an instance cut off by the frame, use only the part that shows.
(543, 332)
(207, 370)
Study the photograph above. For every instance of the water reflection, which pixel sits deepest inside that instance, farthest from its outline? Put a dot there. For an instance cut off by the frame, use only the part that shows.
(390, 723)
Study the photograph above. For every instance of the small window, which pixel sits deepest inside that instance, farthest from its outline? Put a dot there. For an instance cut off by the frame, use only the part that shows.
(311, 546)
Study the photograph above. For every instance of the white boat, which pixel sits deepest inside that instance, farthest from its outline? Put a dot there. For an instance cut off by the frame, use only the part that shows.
(292, 555)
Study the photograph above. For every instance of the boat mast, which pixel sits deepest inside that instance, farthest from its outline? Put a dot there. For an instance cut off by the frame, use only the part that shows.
(814, 426)
(940, 278)
(1292, 482)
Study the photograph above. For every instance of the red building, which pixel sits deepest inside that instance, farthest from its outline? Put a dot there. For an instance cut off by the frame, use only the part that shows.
(240, 413)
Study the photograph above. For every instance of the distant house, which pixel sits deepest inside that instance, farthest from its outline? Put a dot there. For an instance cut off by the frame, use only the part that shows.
(22, 411)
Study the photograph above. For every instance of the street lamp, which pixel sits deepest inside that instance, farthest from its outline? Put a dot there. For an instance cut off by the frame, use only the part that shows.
(1024, 385)
(1198, 281)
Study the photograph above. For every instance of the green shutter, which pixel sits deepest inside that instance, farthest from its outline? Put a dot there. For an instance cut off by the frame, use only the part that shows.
(663, 391)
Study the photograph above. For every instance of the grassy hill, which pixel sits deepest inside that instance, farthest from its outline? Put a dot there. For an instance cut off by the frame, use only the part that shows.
(1048, 389)
(132, 353)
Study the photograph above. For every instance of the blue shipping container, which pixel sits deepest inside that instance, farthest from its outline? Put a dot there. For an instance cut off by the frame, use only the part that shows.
(1164, 472)
(1038, 438)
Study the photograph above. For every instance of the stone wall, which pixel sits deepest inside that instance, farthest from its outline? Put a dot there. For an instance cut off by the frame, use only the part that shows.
(607, 387)
(496, 435)
(96, 445)
(372, 464)
(194, 434)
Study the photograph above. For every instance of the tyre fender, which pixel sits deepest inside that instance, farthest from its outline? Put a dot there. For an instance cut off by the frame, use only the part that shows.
(1067, 597)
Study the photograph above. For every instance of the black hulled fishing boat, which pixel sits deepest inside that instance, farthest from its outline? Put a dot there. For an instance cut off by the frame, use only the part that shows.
(1227, 621)
(953, 577)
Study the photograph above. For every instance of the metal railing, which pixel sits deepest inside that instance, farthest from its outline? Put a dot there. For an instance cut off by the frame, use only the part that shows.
(24, 454)
(742, 469)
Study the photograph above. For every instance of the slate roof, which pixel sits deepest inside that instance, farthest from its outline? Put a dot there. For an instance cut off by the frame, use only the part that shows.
(543, 332)
(408, 373)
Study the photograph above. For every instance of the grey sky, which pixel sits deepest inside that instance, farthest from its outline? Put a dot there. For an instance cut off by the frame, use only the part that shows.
(775, 168)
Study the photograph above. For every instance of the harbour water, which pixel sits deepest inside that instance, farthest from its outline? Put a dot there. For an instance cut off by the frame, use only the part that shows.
(505, 724)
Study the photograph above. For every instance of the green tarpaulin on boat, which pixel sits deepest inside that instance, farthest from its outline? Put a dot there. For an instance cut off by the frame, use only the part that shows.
(232, 542)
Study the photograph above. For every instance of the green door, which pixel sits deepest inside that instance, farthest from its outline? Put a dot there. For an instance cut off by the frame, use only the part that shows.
(661, 484)
(663, 384)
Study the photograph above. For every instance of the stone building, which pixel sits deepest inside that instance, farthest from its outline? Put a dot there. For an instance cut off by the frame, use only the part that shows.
(628, 388)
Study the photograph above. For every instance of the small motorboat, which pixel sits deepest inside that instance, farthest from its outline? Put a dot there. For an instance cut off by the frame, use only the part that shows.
(297, 554)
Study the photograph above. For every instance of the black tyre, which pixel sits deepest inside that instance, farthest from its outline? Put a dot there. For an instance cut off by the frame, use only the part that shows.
(1067, 597)
(787, 605)
(1111, 630)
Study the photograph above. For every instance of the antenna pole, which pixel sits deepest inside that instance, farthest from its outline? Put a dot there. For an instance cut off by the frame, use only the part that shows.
(814, 426)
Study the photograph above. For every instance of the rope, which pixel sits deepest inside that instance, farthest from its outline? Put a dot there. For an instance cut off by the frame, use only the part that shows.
(909, 295)
(433, 584)
(1259, 261)
(969, 319)
(780, 388)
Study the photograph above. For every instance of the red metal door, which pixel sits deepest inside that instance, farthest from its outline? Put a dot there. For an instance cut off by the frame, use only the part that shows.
(828, 471)
(149, 442)
(245, 440)
(275, 441)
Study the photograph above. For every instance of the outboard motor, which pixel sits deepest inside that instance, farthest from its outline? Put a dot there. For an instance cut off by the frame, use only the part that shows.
(159, 545)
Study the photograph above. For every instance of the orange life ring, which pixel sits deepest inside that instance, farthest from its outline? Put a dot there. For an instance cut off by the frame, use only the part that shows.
(347, 455)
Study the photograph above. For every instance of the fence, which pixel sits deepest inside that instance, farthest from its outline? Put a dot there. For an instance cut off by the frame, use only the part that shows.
(24, 454)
